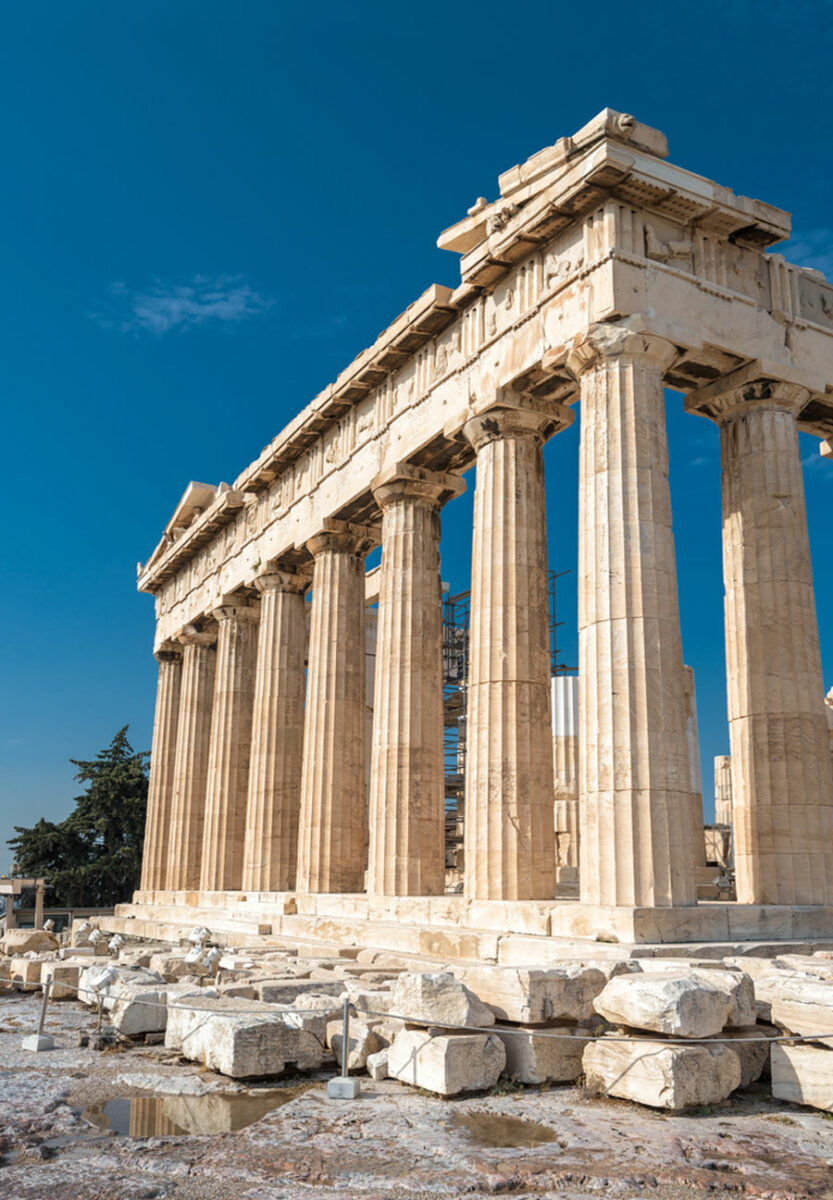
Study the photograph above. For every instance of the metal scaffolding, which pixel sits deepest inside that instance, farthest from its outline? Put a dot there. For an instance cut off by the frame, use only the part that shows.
(456, 617)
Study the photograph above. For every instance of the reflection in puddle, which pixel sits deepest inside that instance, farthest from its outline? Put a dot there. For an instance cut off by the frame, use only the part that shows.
(173, 1116)
(489, 1129)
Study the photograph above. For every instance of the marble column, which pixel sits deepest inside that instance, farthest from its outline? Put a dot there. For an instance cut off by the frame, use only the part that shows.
(231, 736)
(162, 763)
(782, 785)
(723, 789)
(633, 751)
(407, 785)
(271, 846)
(332, 834)
(39, 890)
(694, 772)
(565, 764)
(509, 834)
(193, 737)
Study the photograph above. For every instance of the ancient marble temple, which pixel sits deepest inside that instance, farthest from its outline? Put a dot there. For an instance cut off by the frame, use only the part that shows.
(601, 276)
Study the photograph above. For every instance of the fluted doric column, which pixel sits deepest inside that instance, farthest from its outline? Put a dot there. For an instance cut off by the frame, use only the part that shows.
(193, 737)
(565, 762)
(782, 786)
(407, 786)
(271, 846)
(162, 763)
(723, 790)
(231, 735)
(633, 752)
(694, 772)
(509, 834)
(332, 835)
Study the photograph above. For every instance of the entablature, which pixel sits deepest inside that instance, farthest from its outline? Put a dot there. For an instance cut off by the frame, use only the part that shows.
(722, 302)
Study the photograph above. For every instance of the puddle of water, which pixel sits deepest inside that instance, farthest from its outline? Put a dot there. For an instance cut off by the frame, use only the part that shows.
(177, 1116)
(490, 1129)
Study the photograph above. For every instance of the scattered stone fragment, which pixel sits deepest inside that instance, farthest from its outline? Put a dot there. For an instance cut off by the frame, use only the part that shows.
(740, 991)
(803, 1075)
(286, 991)
(447, 1064)
(170, 966)
(377, 1064)
(535, 996)
(536, 1057)
(238, 1043)
(810, 964)
(25, 973)
(752, 1051)
(438, 998)
(801, 1003)
(63, 977)
(96, 970)
(684, 1005)
(22, 941)
(363, 1041)
(661, 1075)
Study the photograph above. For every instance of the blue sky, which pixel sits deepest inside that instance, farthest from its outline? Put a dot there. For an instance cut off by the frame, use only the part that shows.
(209, 208)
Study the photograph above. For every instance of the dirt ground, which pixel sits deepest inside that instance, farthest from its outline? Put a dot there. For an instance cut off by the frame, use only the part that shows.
(394, 1143)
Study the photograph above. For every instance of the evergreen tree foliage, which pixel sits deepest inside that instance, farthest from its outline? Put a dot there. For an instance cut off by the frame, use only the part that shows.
(92, 858)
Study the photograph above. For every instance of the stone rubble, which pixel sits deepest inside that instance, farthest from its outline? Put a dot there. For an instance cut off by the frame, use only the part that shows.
(274, 1011)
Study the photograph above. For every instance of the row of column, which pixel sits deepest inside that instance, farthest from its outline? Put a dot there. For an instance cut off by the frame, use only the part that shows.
(249, 791)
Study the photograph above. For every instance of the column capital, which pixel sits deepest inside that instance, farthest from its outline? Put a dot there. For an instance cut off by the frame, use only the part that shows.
(416, 483)
(235, 608)
(191, 636)
(283, 579)
(345, 537)
(619, 340)
(756, 385)
(168, 652)
(516, 416)
(826, 448)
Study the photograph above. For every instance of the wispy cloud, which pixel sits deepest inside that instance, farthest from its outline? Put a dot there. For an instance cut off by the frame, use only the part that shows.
(816, 464)
(202, 300)
(811, 248)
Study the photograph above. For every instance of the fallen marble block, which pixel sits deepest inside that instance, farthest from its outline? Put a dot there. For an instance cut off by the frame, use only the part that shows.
(446, 1064)
(684, 1005)
(63, 979)
(740, 992)
(363, 1041)
(286, 991)
(801, 1004)
(752, 1050)
(170, 966)
(536, 996)
(108, 974)
(364, 1000)
(803, 1075)
(661, 1075)
(377, 1064)
(437, 998)
(769, 984)
(25, 973)
(808, 964)
(537, 1058)
(238, 1043)
(22, 941)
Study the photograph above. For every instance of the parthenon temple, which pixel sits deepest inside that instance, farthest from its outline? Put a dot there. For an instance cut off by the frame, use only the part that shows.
(601, 276)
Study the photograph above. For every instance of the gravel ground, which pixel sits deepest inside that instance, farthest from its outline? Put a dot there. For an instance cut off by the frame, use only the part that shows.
(394, 1143)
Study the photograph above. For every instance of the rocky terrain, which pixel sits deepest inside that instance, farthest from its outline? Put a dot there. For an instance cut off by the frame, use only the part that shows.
(185, 1072)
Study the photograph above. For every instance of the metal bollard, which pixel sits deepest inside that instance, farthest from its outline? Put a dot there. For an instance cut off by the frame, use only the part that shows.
(343, 1087)
(41, 1040)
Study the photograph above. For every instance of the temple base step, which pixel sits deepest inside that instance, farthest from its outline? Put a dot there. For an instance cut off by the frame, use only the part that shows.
(451, 928)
